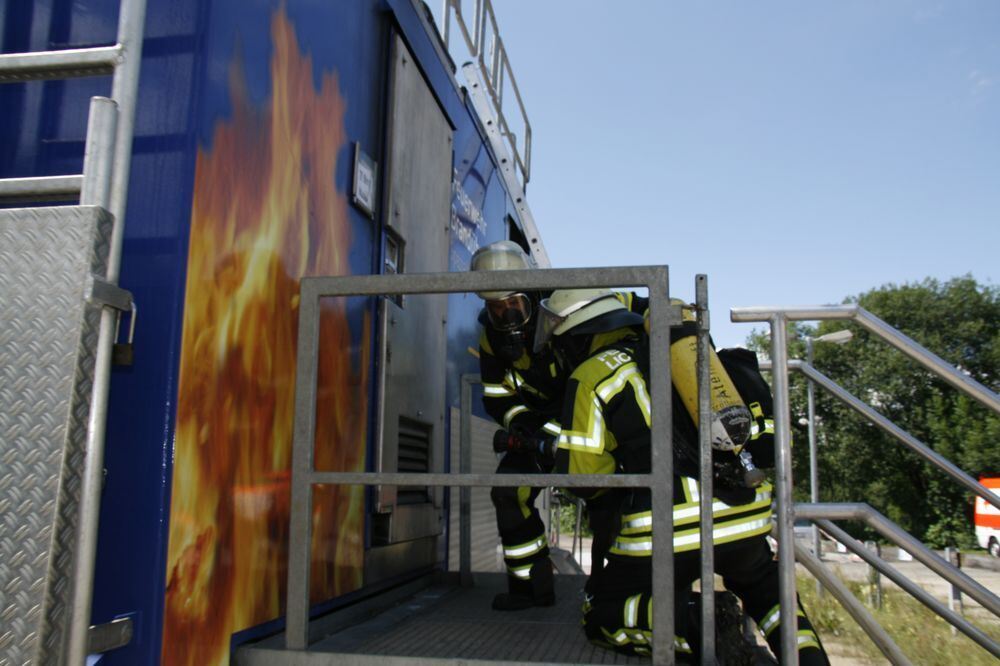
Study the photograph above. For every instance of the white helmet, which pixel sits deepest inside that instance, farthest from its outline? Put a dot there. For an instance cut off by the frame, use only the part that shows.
(502, 255)
(581, 311)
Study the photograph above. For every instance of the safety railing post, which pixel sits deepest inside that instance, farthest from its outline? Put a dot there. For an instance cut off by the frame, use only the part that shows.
(874, 578)
(662, 490)
(303, 452)
(95, 190)
(783, 491)
(465, 467)
(705, 474)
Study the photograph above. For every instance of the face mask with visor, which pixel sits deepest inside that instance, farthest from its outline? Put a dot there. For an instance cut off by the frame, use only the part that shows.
(509, 313)
(549, 320)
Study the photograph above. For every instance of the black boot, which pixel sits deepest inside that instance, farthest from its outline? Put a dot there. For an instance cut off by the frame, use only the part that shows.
(517, 597)
(543, 584)
(522, 594)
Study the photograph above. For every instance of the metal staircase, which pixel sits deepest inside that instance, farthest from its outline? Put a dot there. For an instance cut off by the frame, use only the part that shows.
(59, 313)
(823, 514)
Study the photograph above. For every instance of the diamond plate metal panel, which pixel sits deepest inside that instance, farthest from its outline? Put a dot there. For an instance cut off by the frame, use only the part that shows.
(48, 342)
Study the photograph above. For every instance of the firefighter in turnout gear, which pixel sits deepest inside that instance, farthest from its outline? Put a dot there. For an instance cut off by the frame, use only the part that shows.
(522, 392)
(606, 429)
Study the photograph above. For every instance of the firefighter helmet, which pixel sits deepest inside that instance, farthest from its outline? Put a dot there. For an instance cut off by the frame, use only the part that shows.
(580, 312)
(502, 255)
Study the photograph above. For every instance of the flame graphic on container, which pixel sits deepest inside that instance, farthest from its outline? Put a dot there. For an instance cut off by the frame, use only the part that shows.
(265, 214)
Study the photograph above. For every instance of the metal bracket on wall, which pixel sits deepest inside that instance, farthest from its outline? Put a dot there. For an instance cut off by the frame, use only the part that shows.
(104, 293)
(108, 636)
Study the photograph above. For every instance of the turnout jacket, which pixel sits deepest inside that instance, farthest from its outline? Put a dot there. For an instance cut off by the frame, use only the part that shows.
(527, 396)
(606, 429)
(524, 396)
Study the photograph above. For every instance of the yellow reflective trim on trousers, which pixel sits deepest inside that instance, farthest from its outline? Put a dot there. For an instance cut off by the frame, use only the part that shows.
(632, 547)
(511, 413)
(684, 515)
(524, 572)
(640, 639)
(734, 530)
(637, 523)
(807, 639)
(496, 391)
(632, 611)
(723, 533)
(772, 619)
(689, 511)
(524, 549)
(692, 493)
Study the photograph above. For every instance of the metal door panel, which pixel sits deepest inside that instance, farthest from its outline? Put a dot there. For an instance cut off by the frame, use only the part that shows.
(414, 342)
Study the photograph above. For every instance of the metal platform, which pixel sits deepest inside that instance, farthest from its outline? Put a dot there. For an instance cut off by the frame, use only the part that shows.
(445, 622)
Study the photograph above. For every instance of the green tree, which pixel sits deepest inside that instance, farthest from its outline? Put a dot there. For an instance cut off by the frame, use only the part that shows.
(959, 320)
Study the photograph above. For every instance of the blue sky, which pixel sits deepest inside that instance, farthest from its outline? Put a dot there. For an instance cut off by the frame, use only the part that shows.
(795, 152)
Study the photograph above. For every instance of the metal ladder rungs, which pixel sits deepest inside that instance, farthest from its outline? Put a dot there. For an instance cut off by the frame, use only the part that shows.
(40, 188)
(62, 64)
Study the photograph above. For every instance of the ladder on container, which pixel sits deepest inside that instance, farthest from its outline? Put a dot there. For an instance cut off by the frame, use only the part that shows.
(57, 333)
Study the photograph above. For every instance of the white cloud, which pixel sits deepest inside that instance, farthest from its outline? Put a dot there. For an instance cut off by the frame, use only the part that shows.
(981, 81)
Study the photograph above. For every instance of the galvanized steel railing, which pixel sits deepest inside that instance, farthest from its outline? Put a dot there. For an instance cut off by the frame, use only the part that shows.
(660, 480)
(777, 318)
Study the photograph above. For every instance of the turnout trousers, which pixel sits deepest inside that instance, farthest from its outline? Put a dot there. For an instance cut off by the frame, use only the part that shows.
(522, 532)
(618, 614)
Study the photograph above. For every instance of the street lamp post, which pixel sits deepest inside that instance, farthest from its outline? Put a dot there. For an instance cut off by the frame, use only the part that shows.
(839, 338)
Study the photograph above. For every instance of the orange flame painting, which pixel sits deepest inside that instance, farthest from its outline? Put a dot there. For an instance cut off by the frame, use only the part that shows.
(265, 213)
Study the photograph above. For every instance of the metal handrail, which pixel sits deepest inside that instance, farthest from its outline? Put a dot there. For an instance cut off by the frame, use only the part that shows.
(304, 475)
(851, 604)
(914, 444)
(867, 514)
(873, 324)
(777, 318)
(906, 584)
(495, 70)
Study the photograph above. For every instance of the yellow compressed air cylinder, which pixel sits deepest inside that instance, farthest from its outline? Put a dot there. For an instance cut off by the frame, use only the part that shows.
(731, 418)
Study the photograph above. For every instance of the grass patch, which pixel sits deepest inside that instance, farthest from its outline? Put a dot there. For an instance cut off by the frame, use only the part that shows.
(923, 636)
